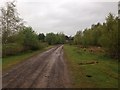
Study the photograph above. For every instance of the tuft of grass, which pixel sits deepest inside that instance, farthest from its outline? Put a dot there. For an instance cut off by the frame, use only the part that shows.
(10, 61)
(103, 74)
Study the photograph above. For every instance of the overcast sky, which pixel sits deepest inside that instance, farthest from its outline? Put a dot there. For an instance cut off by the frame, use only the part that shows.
(67, 16)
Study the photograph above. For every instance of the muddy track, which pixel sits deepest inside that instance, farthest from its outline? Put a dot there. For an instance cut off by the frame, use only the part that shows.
(46, 70)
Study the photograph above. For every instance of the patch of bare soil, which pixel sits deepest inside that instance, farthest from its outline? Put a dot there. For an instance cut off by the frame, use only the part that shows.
(86, 63)
(46, 70)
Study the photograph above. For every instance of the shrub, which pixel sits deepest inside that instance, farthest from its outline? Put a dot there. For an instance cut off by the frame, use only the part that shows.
(11, 49)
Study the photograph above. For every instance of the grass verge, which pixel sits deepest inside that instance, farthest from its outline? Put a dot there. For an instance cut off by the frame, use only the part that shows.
(103, 74)
(10, 61)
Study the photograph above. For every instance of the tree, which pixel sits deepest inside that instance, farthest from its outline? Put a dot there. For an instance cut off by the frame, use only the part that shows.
(41, 37)
(60, 37)
(78, 38)
(109, 38)
(50, 38)
(10, 21)
(28, 38)
(105, 35)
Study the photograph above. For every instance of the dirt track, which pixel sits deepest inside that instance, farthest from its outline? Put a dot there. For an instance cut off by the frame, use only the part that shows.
(46, 70)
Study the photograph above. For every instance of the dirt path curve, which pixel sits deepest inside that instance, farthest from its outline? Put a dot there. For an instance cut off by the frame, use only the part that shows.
(46, 70)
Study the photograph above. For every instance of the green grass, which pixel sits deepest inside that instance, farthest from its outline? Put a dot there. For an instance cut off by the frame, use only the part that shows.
(10, 61)
(104, 73)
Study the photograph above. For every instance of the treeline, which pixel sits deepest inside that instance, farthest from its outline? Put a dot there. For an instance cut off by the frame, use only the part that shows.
(18, 38)
(52, 38)
(104, 35)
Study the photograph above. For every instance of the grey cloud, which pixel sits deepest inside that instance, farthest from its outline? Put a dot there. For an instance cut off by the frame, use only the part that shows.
(66, 16)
